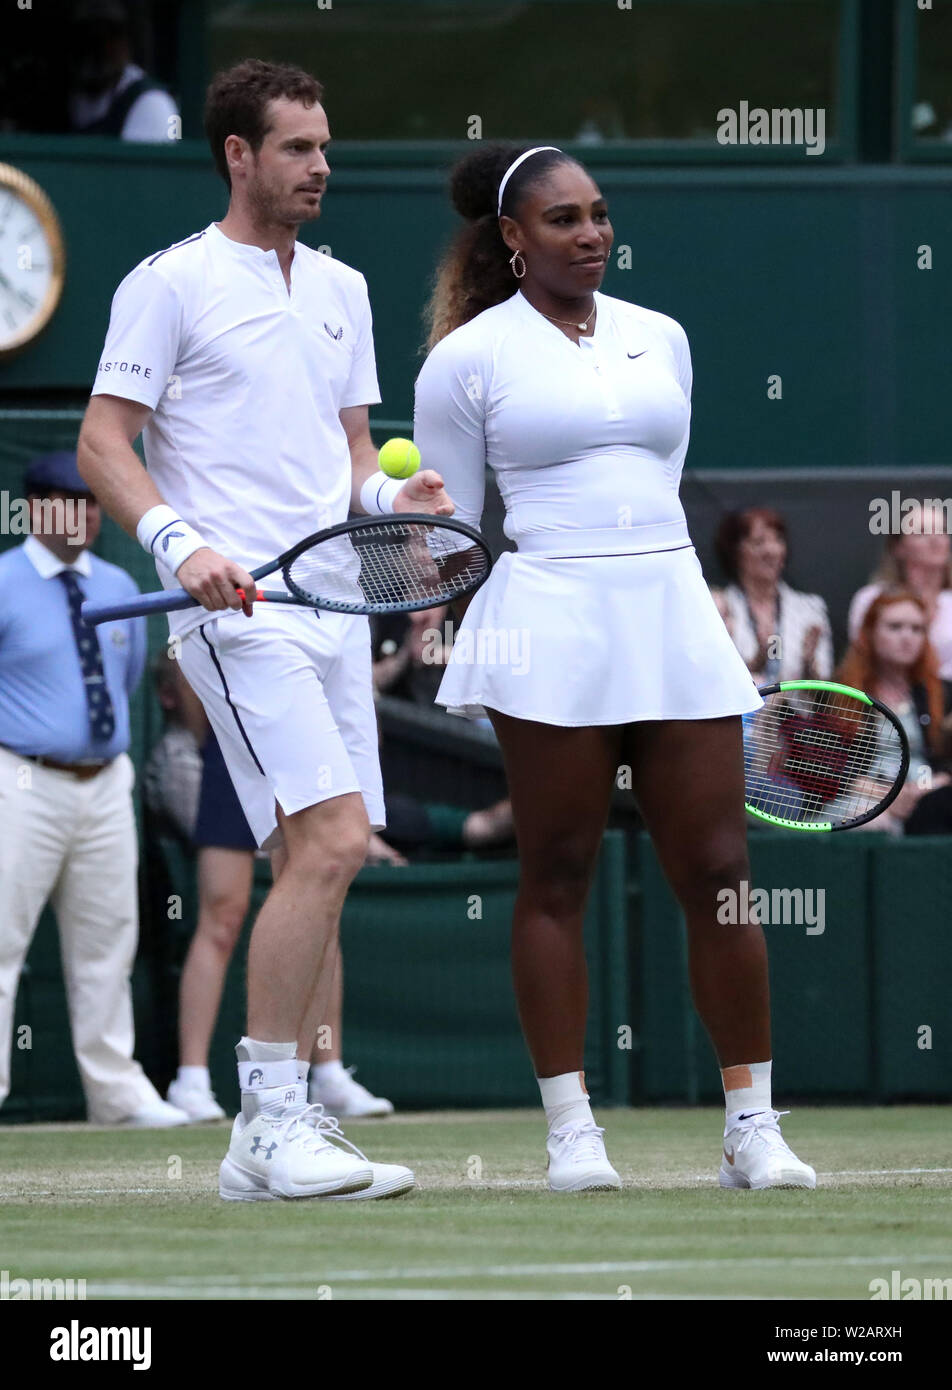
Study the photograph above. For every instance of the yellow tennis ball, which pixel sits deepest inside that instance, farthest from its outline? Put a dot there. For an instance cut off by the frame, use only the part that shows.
(399, 458)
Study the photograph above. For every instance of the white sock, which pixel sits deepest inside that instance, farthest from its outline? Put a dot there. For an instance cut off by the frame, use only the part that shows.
(565, 1099)
(301, 1069)
(322, 1072)
(195, 1076)
(746, 1090)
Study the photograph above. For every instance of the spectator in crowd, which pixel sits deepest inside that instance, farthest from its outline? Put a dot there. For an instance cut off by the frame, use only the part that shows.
(192, 791)
(782, 633)
(410, 652)
(67, 827)
(110, 94)
(922, 562)
(893, 659)
(172, 777)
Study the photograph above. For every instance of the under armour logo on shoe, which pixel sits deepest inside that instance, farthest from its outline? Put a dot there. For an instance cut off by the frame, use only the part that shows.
(255, 1077)
(336, 334)
(171, 536)
(257, 1146)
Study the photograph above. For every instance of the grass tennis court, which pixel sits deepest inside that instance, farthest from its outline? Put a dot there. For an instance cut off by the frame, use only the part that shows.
(101, 1205)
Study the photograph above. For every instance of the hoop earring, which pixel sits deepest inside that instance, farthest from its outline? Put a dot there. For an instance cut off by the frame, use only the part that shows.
(517, 255)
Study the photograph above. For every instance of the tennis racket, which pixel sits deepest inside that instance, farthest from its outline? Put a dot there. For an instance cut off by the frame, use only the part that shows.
(822, 756)
(380, 564)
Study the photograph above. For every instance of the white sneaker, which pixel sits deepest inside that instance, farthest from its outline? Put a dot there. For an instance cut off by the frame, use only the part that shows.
(346, 1098)
(577, 1159)
(286, 1155)
(389, 1180)
(756, 1155)
(158, 1114)
(198, 1102)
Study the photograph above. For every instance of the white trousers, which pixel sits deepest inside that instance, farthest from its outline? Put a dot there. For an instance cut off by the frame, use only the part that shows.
(73, 844)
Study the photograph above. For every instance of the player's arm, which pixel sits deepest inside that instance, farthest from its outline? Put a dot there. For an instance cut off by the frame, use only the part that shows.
(448, 424)
(112, 468)
(423, 492)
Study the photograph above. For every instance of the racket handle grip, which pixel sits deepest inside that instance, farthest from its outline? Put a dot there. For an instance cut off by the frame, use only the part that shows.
(140, 607)
(171, 601)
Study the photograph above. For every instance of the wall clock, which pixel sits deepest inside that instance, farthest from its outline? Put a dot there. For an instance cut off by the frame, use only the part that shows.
(32, 260)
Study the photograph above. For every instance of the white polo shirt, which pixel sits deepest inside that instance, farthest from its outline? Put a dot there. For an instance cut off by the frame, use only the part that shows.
(246, 382)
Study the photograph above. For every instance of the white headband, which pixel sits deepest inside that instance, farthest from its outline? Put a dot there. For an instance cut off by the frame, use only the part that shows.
(515, 165)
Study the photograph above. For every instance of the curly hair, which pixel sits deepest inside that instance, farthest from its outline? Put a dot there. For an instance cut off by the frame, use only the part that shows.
(237, 102)
(474, 273)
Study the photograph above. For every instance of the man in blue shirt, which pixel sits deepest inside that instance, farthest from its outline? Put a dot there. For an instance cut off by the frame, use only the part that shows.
(67, 827)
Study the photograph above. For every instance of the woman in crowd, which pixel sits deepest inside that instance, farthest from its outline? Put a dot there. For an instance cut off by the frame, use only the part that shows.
(893, 659)
(782, 633)
(922, 562)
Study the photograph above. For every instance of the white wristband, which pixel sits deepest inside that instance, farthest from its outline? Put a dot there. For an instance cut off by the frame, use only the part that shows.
(163, 533)
(378, 493)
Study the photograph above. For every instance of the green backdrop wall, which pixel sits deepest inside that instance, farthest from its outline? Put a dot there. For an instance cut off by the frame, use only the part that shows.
(809, 274)
(429, 1012)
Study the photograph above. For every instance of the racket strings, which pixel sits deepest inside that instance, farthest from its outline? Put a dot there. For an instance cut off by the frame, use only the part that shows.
(401, 564)
(809, 758)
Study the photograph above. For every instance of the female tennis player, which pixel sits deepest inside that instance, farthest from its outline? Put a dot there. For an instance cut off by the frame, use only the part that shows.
(580, 404)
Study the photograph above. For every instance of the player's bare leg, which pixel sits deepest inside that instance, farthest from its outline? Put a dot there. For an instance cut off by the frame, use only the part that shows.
(560, 782)
(323, 1007)
(296, 928)
(276, 1149)
(688, 779)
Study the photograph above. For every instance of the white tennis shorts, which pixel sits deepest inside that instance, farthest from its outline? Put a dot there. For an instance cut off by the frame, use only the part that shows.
(290, 697)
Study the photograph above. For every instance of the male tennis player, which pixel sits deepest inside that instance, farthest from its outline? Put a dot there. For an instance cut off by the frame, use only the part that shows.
(246, 361)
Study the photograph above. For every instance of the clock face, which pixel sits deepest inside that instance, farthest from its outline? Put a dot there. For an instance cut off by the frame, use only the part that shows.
(31, 260)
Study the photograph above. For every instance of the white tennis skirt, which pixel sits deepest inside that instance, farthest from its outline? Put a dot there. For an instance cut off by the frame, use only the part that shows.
(603, 639)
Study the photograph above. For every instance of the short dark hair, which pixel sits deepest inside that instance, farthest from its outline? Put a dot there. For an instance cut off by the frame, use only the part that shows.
(237, 102)
(736, 527)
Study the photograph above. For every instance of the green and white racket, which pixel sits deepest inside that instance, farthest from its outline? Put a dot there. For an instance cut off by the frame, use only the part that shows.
(822, 756)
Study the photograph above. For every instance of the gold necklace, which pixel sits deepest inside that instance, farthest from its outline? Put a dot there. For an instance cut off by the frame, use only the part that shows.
(568, 322)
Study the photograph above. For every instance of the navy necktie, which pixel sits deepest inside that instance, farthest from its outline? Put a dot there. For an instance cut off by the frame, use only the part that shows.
(102, 716)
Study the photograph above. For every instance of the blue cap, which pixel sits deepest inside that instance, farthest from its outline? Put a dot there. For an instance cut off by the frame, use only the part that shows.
(57, 472)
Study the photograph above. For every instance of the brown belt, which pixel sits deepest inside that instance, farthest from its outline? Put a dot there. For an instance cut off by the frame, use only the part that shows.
(81, 771)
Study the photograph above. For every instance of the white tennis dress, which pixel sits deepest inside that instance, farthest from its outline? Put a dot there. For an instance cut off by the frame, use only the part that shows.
(603, 615)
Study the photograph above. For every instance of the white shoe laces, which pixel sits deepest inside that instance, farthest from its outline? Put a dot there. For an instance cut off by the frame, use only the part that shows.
(321, 1130)
(765, 1127)
(309, 1125)
(582, 1141)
